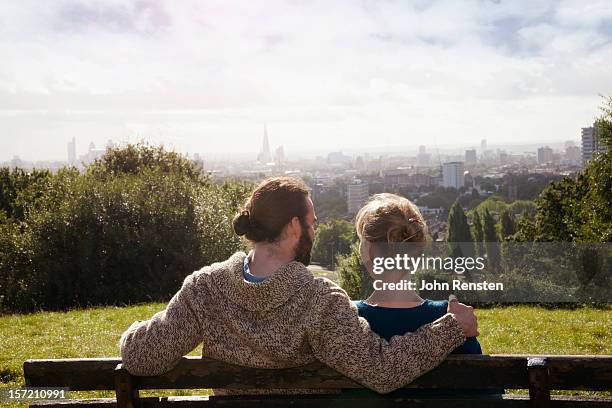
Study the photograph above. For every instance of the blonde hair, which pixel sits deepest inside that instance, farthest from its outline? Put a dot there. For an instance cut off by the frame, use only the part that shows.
(389, 218)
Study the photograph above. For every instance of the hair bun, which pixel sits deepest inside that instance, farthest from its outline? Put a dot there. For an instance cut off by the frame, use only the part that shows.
(242, 223)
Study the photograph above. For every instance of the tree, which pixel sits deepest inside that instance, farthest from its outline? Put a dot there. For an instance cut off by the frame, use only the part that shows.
(459, 232)
(352, 275)
(333, 238)
(508, 224)
(134, 159)
(491, 240)
(478, 234)
(578, 209)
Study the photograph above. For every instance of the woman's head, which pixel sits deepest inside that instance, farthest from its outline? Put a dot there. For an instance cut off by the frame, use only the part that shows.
(387, 222)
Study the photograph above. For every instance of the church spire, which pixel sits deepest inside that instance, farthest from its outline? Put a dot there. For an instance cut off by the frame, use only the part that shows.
(264, 155)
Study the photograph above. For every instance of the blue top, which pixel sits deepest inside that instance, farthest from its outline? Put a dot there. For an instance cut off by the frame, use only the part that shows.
(388, 322)
(246, 272)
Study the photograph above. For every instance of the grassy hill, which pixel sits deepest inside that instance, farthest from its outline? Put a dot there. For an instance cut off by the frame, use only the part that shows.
(95, 332)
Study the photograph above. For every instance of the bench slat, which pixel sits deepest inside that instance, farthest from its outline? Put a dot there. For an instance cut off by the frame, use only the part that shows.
(507, 401)
(458, 371)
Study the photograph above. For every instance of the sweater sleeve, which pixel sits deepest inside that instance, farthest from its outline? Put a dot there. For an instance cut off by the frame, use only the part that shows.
(155, 346)
(344, 341)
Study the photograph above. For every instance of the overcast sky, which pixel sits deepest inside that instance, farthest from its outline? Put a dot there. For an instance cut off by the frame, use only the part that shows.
(204, 76)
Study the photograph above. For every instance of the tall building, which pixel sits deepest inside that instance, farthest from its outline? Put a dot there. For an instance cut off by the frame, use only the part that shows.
(357, 196)
(72, 152)
(264, 155)
(452, 174)
(279, 156)
(423, 159)
(483, 145)
(545, 155)
(572, 155)
(470, 156)
(590, 144)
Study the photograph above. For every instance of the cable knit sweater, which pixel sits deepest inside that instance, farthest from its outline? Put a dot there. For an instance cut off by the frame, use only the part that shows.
(289, 320)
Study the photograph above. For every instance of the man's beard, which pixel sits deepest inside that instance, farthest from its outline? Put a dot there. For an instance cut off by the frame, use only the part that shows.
(303, 247)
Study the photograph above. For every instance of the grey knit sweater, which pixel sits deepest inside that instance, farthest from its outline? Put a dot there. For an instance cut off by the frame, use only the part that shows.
(289, 320)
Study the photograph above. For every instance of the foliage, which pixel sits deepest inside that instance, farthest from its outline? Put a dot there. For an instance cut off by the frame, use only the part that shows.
(20, 189)
(441, 197)
(491, 240)
(352, 275)
(477, 233)
(508, 224)
(578, 208)
(135, 159)
(459, 235)
(333, 238)
(330, 203)
(111, 237)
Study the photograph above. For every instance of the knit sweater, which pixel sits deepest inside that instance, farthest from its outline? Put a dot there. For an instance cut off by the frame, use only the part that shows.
(289, 320)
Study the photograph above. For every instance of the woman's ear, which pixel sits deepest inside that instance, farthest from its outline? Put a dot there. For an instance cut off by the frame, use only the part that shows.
(365, 251)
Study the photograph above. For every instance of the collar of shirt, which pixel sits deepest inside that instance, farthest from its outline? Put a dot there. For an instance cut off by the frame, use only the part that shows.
(246, 272)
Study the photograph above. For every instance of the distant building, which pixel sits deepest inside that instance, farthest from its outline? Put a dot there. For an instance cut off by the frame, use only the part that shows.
(452, 174)
(468, 181)
(264, 155)
(279, 156)
(338, 158)
(92, 154)
(422, 180)
(423, 159)
(72, 157)
(545, 155)
(470, 156)
(503, 157)
(483, 145)
(572, 155)
(357, 196)
(590, 144)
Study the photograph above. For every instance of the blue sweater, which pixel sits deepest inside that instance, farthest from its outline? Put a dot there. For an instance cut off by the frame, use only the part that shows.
(388, 322)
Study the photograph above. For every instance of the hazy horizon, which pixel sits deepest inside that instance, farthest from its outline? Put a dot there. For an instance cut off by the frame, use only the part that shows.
(204, 77)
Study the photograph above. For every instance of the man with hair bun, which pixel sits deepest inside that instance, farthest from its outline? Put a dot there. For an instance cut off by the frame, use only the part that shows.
(265, 309)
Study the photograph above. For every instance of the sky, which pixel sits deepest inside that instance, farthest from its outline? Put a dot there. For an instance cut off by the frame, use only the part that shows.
(204, 76)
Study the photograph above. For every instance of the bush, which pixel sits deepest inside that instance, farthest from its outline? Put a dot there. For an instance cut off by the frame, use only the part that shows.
(352, 275)
(115, 237)
(333, 238)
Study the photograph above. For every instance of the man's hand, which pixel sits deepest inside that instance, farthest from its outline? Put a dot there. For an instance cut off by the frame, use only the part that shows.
(464, 315)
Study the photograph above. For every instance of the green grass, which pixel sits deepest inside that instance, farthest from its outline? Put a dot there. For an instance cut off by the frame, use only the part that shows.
(95, 332)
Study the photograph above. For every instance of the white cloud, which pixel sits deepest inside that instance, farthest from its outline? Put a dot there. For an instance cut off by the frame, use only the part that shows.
(340, 69)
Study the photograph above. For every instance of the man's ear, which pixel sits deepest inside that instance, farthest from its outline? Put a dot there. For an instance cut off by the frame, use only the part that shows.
(295, 228)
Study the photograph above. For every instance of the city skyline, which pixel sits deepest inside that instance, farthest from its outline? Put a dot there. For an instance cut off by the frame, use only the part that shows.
(204, 77)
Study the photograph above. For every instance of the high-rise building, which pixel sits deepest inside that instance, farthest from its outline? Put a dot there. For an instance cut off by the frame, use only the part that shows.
(264, 155)
(470, 156)
(279, 156)
(72, 152)
(572, 155)
(545, 155)
(423, 159)
(483, 145)
(590, 144)
(357, 196)
(452, 174)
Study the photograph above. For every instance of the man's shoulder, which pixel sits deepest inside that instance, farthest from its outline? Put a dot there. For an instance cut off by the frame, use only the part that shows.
(204, 275)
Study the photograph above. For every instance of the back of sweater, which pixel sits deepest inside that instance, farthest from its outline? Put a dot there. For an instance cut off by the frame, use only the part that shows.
(291, 319)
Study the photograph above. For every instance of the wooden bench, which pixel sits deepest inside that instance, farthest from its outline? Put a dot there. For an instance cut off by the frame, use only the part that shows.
(538, 374)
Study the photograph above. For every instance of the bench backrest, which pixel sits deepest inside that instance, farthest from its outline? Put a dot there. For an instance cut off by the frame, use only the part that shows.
(539, 374)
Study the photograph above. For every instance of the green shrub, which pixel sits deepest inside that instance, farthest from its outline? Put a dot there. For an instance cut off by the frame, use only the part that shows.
(115, 237)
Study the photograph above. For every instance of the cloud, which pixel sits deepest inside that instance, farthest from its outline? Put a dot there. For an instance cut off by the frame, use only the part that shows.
(343, 68)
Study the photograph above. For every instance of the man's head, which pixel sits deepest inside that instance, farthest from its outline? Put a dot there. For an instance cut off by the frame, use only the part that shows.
(279, 211)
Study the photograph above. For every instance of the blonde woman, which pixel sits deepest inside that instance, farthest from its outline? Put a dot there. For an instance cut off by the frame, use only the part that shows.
(386, 225)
